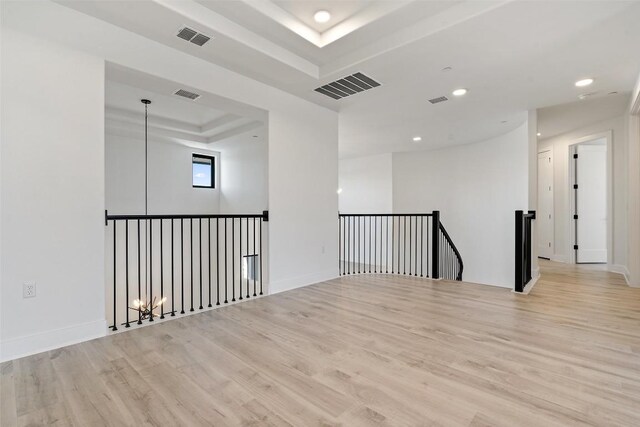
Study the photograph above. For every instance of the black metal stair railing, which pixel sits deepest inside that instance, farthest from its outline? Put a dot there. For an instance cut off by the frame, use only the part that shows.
(408, 244)
(523, 254)
(179, 263)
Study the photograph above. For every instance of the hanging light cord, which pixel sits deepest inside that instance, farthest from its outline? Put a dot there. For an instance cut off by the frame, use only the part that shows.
(146, 103)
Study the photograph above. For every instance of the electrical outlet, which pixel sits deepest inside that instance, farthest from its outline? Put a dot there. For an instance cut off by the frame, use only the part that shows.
(28, 289)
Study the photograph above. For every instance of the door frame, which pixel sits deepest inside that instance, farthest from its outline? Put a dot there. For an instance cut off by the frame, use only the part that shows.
(553, 200)
(571, 229)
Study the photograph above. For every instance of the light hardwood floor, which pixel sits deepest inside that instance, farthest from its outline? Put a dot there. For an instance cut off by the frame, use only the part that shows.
(361, 350)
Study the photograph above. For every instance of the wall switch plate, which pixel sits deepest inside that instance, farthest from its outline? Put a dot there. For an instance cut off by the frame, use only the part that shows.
(28, 289)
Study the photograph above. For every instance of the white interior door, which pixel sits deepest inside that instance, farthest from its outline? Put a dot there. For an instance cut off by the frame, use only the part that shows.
(544, 218)
(591, 202)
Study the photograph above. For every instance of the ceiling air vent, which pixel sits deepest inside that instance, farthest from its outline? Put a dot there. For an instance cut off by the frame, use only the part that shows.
(186, 94)
(348, 86)
(193, 36)
(438, 99)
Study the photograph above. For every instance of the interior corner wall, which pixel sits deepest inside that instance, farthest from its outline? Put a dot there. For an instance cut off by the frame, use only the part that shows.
(633, 191)
(243, 173)
(366, 184)
(561, 196)
(52, 191)
(532, 135)
(170, 186)
(477, 188)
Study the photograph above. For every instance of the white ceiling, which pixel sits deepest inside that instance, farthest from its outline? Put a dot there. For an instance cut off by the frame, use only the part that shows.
(560, 119)
(207, 120)
(512, 56)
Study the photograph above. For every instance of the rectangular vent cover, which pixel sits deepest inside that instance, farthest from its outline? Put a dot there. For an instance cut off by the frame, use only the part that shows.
(186, 94)
(438, 99)
(347, 86)
(193, 36)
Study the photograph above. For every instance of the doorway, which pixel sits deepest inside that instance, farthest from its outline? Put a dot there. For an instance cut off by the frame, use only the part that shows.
(589, 201)
(545, 216)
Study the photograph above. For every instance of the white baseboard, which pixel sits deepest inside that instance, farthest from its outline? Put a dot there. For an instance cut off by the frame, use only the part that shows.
(559, 258)
(621, 269)
(14, 348)
(529, 286)
(275, 287)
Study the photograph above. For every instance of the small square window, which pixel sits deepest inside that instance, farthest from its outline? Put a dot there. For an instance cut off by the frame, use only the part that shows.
(203, 171)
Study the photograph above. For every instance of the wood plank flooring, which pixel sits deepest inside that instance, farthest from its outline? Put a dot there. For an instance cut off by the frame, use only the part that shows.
(357, 351)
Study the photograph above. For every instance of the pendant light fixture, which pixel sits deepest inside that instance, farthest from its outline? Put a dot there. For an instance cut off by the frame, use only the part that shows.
(144, 307)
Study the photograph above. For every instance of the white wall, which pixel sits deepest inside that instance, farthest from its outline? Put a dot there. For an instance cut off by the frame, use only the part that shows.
(243, 173)
(366, 184)
(52, 192)
(563, 213)
(303, 153)
(633, 192)
(303, 204)
(170, 178)
(477, 188)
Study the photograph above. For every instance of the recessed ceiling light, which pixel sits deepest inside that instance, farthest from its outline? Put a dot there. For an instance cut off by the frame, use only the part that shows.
(459, 92)
(539, 134)
(322, 16)
(417, 138)
(587, 95)
(584, 82)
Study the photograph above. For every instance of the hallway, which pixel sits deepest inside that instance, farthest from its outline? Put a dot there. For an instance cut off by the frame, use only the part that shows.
(358, 350)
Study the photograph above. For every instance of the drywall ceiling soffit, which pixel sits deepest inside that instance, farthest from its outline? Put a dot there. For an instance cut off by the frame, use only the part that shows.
(275, 35)
(518, 56)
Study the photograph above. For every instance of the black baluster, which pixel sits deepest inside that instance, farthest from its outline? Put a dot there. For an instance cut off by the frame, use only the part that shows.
(139, 276)
(161, 273)
(404, 245)
(348, 219)
(339, 245)
(115, 271)
(173, 276)
(369, 244)
(393, 233)
(410, 246)
(254, 258)
(415, 272)
(386, 250)
(200, 262)
(150, 301)
(261, 255)
(191, 259)
(359, 245)
(209, 256)
(421, 243)
(126, 267)
(181, 266)
(240, 264)
(233, 260)
(226, 263)
(427, 246)
(247, 259)
(375, 243)
(217, 261)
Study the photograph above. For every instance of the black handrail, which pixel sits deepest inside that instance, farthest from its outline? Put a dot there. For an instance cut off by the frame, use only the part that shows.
(523, 249)
(407, 243)
(164, 246)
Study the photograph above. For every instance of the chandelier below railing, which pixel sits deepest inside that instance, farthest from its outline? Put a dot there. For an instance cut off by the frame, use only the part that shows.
(144, 307)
